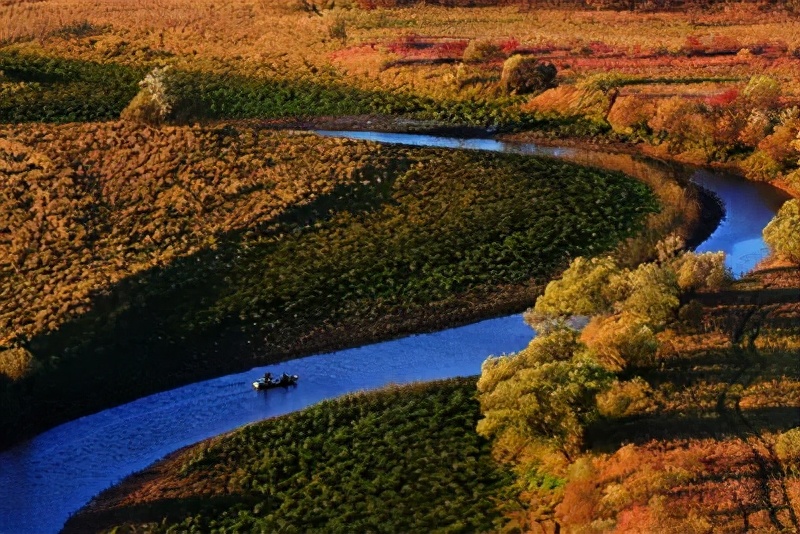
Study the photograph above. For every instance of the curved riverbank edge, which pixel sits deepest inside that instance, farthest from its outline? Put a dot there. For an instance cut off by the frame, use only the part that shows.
(142, 494)
(391, 124)
(510, 299)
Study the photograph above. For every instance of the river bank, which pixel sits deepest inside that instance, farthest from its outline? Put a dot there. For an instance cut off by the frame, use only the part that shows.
(385, 448)
(386, 296)
(672, 431)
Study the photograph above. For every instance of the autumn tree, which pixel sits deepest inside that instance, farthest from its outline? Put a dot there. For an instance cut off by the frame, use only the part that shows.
(706, 270)
(587, 287)
(652, 294)
(621, 341)
(546, 393)
(782, 234)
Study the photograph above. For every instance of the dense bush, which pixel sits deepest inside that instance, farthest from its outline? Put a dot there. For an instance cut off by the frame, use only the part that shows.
(154, 102)
(478, 51)
(782, 234)
(787, 449)
(586, 287)
(525, 74)
(652, 294)
(546, 393)
(630, 397)
(704, 271)
(629, 115)
(16, 363)
(622, 341)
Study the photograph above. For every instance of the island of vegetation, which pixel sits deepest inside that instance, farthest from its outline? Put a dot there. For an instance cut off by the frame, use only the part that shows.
(165, 216)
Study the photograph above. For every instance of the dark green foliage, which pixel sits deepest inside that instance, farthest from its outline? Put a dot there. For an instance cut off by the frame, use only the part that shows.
(400, 460)
(453, 222)
(523, 75)
(216, 96)
(63, 90)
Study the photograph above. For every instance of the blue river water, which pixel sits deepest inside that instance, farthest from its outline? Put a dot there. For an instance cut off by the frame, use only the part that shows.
(47, 478)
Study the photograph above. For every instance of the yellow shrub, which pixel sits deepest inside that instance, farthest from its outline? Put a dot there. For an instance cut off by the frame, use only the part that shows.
(630, 113)
(787, 449)
(16, 363)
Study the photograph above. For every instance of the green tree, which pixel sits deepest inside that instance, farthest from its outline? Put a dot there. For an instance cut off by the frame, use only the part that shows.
(652, 294)
(587, 287)
(545, 400)
(705, 270)
(782, 234)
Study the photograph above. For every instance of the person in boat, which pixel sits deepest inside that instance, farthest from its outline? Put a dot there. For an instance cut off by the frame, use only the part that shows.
(267, 377)
(285, 379)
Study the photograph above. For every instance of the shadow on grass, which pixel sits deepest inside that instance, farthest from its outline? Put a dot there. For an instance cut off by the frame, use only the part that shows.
(758, 297)
(610, 435)
(717, 366)
(161, 328)
(168, 511)
(67, 90)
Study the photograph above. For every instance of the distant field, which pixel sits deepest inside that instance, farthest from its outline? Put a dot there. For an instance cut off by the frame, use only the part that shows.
(711, 85)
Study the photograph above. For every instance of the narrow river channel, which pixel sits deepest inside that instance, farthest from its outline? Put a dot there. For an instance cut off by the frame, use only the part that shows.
(47, 478)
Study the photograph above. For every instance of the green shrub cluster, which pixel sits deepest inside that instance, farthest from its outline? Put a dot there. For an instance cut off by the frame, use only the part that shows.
(782, 234)
(47, 89)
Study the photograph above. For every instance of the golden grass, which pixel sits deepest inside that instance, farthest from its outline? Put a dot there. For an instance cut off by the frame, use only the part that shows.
(275, 37)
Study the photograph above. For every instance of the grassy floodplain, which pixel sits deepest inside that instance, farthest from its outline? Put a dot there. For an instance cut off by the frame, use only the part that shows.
(182, 252)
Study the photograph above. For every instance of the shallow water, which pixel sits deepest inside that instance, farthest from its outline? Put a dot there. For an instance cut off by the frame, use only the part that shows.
(44, 480)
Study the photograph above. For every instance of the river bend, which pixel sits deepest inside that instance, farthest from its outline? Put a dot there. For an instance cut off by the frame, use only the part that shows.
(49, 477)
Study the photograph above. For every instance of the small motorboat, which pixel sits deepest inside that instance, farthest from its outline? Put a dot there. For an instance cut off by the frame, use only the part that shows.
(284, 381)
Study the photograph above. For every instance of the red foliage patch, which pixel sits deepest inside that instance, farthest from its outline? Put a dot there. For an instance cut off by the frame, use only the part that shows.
(723, 99)
(418, 47)
(509, 46)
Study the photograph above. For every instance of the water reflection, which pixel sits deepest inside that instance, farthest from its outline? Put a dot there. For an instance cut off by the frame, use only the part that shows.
(748, 209)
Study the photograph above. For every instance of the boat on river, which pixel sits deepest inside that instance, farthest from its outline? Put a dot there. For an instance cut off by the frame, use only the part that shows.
(283, 382)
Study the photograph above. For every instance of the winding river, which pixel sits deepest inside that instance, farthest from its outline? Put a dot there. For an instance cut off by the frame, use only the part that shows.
(45, 479)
